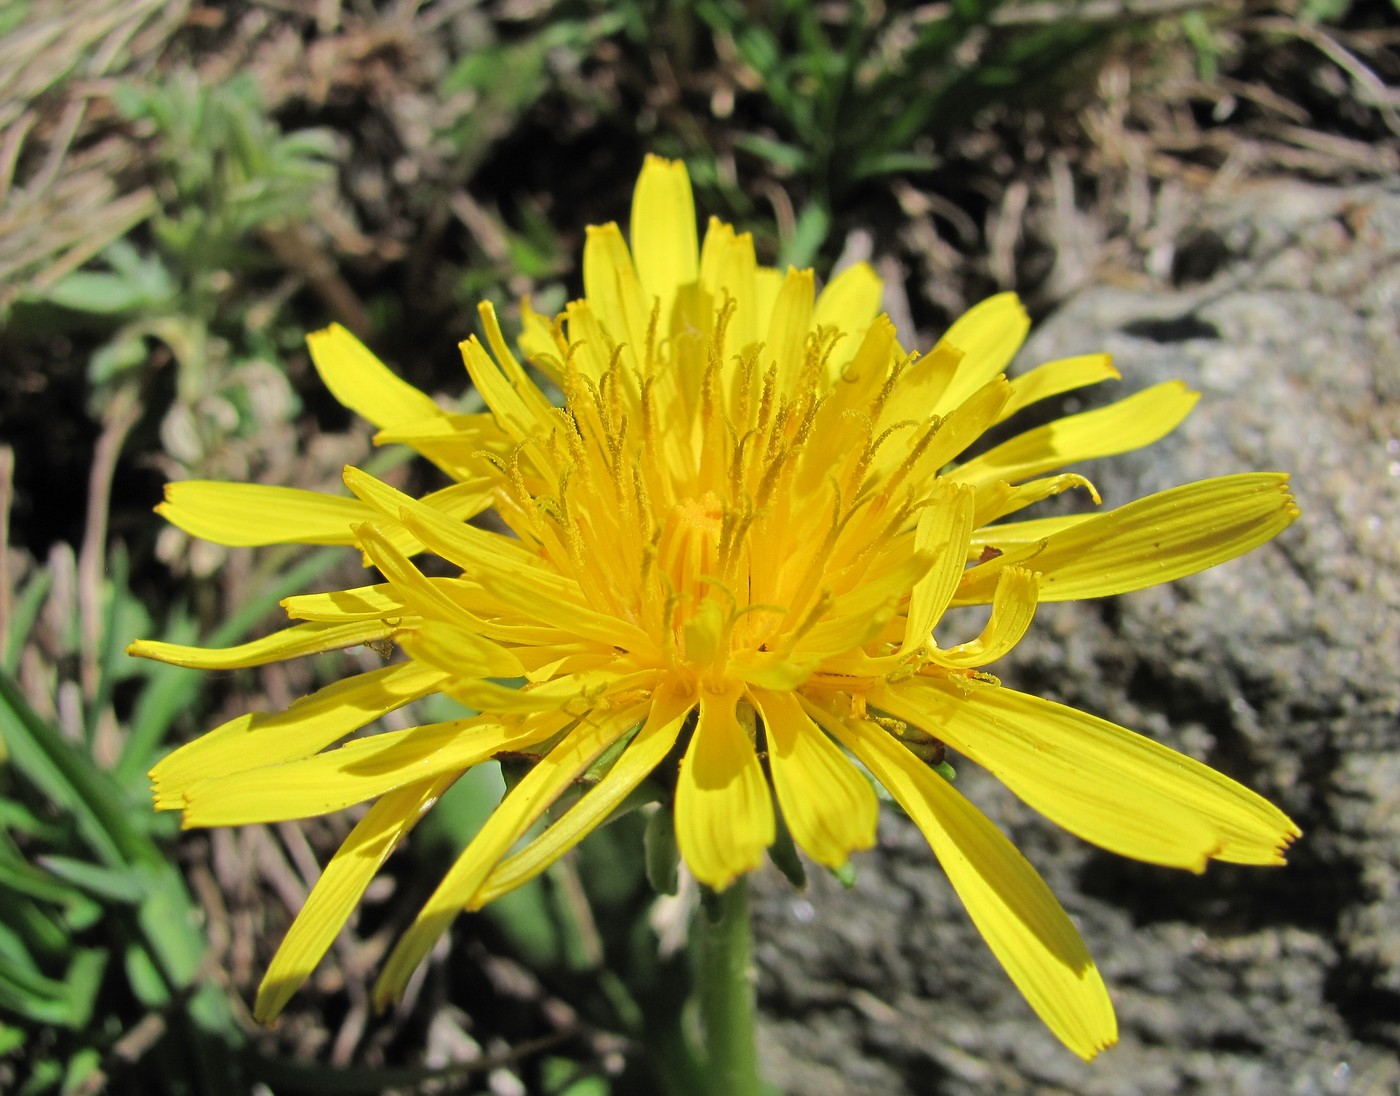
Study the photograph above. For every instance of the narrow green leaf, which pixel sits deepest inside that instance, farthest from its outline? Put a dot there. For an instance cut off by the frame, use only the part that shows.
(125, 886)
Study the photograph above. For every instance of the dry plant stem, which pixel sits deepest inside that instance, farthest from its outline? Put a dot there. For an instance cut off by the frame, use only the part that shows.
(118, 419)
(726, 985)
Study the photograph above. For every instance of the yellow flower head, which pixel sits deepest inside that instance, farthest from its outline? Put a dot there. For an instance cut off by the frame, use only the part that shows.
(733, 540)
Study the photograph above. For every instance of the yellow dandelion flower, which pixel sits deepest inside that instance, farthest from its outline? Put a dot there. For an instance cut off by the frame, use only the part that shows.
(732, 540)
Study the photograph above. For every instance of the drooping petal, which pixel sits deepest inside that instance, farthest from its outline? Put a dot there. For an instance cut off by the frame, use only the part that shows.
(1009, 903)
(363, 383)
(724, 812)
(339, 890)
(518, 811)
(829, 807)
(1131, 423)
(294, 642)
(1153, 540)
(301, 729)
(1117, 789)
(664, 243)
(646, 751)
(362, 769)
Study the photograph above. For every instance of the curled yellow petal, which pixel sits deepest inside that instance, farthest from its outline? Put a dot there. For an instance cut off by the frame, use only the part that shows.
(944, 529)
(614, 294)
(1013, 608)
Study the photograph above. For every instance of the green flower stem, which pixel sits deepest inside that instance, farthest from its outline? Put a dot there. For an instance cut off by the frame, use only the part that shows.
(724, 972)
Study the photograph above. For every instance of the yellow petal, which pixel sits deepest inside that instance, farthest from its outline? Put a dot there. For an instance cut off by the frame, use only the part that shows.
(363, 383)
(791, 322)
(646, 751)
(1009, 903)
(243, 515)
(1053, 378)
(293, 642)
(829, 807)
(664, 243)
(944, 529)
(536, 401)
(468, 545)
(1153, 540)
(518, 811)
(519, 408)
(988, 334)
(542, 343)
(850, 303)
(724, 813)
(359, 770)
(1013, 608)
(361, 603)
(728, 270)
(964, 425)
(1001, 498)
(458, 444)
(1117, 789)
(303, 728)
(611, 286)
(1128, 424)
(430, 601)
(767, 284)
(339, 890)
(1008, 535)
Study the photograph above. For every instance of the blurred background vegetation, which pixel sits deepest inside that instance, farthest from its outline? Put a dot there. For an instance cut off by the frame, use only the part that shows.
(186, 189)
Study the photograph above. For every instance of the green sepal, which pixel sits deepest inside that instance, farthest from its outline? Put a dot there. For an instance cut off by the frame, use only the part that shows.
(783, 853)
(661, 853)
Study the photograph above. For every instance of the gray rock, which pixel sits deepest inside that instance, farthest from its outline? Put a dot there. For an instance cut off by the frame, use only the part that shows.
(1278, 669)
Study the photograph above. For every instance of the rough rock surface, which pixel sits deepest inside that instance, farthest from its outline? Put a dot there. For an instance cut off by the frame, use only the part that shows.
(1279, 669)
